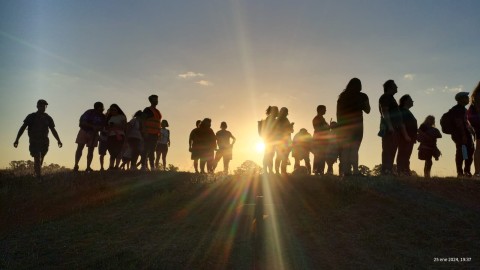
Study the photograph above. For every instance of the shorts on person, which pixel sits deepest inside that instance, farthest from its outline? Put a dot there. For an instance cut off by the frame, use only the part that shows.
(38, 147)
(162, 148)
(89, 138)
(226, 153)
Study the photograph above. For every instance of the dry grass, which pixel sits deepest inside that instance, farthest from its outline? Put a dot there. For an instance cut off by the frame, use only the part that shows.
(190, 221)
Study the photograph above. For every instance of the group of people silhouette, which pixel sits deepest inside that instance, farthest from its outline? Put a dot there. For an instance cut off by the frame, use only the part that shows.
(146, 136)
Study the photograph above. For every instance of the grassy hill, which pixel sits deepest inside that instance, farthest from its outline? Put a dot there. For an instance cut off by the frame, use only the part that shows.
(185, 221)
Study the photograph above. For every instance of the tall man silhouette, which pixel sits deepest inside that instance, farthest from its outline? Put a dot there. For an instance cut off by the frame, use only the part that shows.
(38, 124)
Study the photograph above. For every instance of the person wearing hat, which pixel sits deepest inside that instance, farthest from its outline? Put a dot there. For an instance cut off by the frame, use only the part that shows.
(38, 124)
(462, 135)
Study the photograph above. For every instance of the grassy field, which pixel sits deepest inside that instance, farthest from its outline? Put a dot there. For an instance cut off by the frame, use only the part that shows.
(138, 220)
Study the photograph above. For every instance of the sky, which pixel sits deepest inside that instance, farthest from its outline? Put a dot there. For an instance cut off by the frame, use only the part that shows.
(228, 60)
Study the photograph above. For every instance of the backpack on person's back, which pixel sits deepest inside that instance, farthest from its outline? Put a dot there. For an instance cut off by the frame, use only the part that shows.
(447, 122)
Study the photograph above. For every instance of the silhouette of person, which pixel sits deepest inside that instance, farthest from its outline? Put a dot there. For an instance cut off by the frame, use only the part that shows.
(301, 147)
(462, 135)
(405, 148)
(116, 125)
(391, 122)
(193, 145)
(473, 116)
(162, 145)
(225, 148)
(135, 138)
(207, 143)
(268, 134)
(102, 146)
(332, 153)
(38, 124)
(351, 104)
(283, 129)
(91, 122)
(320, 142)
(427, 136)
(151, 123)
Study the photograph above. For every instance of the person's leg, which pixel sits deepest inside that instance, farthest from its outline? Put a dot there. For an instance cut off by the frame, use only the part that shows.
(476, 157)
(307, 164)
(203, 162)
(469, 160)
(428, 167)
(225, 165)
(164, 158)
(297, 163)
(389, 149)
(90, 157)
(459, 159)
(158, 154)
(401, 156)
(135, 146)
(195, 165)
(78, 155)
(37, 163)
(278, 161)
(218, 156)
(408, 156)
(355, 147)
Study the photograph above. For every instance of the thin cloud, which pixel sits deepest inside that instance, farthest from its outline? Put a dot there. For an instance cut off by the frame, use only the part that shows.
(429, 91)
(409, 76)
(190, 75)
(204, 83)
(454, 89)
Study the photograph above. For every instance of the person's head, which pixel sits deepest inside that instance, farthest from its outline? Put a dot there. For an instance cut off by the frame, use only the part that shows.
(462, 98)
(429, 121)
(115, 110)
(283, 112)
(197, 124)
(354, 85)
(153, 100)
(321, 109)
(42, 105)
(303, 131)
(406, 101)
(272, 110)
(164, 123)
(206, 123)
(223, 125)
(390, 87)
(98, 106)
(137, 114)
(475, 96)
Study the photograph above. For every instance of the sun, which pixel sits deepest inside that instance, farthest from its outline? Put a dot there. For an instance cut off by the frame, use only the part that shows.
(259, 147)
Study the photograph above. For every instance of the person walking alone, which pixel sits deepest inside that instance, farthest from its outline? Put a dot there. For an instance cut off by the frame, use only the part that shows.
(38, 124)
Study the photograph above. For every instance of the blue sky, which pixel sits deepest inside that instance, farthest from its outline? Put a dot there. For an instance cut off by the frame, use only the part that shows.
(229, 60)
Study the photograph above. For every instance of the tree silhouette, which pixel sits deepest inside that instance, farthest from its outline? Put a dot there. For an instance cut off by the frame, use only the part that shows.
(248, 167)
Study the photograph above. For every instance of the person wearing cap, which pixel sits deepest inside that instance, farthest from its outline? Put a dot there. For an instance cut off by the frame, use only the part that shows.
(462, 135)
(38, 124)
(225, 148)
(91, 122)
(391, 121)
